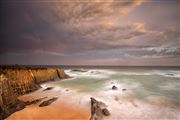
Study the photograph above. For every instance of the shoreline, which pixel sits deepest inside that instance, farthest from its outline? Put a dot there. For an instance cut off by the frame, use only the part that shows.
(75, 105)
(72, 105)
(62, 108)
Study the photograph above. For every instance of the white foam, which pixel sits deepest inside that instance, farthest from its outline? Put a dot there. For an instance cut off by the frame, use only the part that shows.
(135, 73)
(123, 108)
(169, 73)
(93, 73)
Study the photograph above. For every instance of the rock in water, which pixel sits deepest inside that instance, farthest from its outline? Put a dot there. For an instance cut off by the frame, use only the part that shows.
(48, 88)
(98, 110)
(124, 89)
(79, 70)
(114, 87)
(48, 102)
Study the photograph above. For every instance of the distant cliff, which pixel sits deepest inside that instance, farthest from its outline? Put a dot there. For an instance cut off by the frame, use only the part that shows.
(16, 81)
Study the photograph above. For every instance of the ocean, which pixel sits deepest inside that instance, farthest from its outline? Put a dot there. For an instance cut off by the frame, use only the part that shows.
(143, 93)
(156, 85)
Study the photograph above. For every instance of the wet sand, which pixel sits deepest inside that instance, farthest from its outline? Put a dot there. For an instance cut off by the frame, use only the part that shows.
(51, 112)
(75, 105)
(72, 105)
(62, 109)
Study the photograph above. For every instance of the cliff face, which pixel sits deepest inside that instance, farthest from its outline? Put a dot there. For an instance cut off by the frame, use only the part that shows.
(15, 82)
(44, 75)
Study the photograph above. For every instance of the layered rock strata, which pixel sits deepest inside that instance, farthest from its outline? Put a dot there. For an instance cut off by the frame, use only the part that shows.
(16, 81)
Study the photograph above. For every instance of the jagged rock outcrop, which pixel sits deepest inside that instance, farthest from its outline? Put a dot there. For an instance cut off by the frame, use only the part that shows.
(114, 87)
(48, 88)
(79, 70)
(98, 110)
(44, 75)
(16, 81)
(34, 101)
(48, 102)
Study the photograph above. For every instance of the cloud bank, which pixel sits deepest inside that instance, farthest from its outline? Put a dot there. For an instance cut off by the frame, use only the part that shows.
(88, 31)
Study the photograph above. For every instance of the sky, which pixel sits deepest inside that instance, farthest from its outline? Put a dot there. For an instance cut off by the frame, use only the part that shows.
(90, 32)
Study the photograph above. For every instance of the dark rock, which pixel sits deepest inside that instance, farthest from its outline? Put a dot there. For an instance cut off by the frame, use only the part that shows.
(124, 89)
(19, 105)
(106, 112)
(170, 74)
(48, 102)
(114, 87)
(61, 74)
(78, 70)
(98, 110)
(35, 101)
(5, 111)
(48, 88)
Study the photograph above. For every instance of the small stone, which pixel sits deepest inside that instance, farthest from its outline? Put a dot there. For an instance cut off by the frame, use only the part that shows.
(124, 89)
(114, 87)
(48, 88)
(48, 102)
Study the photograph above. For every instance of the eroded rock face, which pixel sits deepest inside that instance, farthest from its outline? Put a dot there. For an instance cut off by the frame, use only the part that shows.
(61, 74)
(98, 110)
(17, 81)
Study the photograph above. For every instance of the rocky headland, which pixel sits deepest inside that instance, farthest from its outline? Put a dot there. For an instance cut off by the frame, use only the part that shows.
(16, 81)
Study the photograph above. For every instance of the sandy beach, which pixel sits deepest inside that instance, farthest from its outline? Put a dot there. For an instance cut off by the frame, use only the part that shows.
(64, 108)
(73, 104)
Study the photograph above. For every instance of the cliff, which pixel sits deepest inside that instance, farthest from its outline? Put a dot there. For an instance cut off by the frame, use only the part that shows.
(17, 81)
(47, 74)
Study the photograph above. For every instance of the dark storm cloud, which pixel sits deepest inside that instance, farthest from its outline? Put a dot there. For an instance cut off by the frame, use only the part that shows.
(84, 30)
(57, 26)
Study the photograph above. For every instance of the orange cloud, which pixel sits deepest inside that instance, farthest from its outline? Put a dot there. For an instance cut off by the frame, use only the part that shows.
(80, 13)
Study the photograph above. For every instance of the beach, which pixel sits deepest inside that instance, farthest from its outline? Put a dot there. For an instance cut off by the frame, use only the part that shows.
(74, 95)
(62, 108)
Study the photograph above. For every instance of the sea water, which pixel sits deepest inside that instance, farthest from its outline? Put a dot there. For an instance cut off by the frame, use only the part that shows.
(153, 85)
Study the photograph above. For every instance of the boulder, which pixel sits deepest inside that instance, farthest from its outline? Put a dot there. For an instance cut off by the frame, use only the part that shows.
(98, 110)
(124, 89)
(48, 88)
(170, 74)
(48, 102)
(114, 87)
(79, 70)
